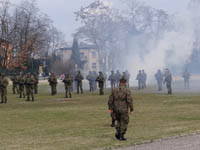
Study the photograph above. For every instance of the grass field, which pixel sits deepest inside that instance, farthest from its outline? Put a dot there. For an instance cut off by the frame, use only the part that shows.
(83, 122)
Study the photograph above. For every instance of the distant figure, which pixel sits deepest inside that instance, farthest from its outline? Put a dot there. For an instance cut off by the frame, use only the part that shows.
(3, 88)
(118, 77)
(14, 84)
(36, 81)
(67, 82)
(186, 76)
(168, 81)
(128, 78)
(100, 79)
(90, 79)
(95, 75)
(79, 78)
(105, 78)
(29, 82)
(139, 78)
(119, 104)
(159, 78)
(21, 83)
(53, 83)
(112, 80)
(144, 79)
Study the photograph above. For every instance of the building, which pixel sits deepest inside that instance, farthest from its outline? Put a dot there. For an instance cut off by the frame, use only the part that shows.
(88, 54)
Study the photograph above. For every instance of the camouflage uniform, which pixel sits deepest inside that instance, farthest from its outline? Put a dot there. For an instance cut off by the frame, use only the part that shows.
(100, 79)
(186, 76)
(68, 82)
(36, 81)
(159, 78)
(112, 80)
(14, 84)
(3, 88)
(168, 81)
(79, 79)
(90, 78)
(120, 101)
(29, 82)
(139, 78)
(53, 83)
(21, 82)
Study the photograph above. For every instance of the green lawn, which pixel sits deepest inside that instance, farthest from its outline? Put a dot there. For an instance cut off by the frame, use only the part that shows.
(83, 122)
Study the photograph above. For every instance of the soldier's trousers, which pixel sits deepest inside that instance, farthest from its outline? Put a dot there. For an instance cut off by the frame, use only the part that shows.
(122, 122)
(68, 91)
(159, 85)
(53, 90)
(29, 92)
(15, 88)
(21, 91)
(112, 85)
(79, 86)
(35, 88)
(91, 86)
(140, 85)
(169, 88)
(3, 92)
(113, 116)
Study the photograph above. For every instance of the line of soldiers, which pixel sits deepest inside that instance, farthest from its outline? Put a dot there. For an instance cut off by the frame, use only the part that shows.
(142, 79)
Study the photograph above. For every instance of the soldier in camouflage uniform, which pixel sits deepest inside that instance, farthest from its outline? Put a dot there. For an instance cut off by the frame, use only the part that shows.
(36, 81)
(67, 81)
(139, 78)
(79, 78)
(100, 79)
(119, 103)
(112, 80)
(90, 79)
(186, 77)
(3, 88)
(53, 83)
(168, 81)
(29, 82)
(14, 84)
(21, 83)
(159, 78)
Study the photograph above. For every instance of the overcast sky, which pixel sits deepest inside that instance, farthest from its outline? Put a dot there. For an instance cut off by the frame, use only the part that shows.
(61, 11)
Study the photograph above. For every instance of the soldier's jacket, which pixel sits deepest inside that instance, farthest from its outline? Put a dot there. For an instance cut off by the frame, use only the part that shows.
(144, 76)
(79, 77)
(139, 77)
(67, 81)
(36, 79)
(112, 78)
(118, 76)
(127, 75)
(159, 76)
(120, 100)
(168, 78)
(90, 78)
(100, 79)
(52, 80)
(20, 80)
(3, 82)
(14, 79)
(29, 81)
(186, 75)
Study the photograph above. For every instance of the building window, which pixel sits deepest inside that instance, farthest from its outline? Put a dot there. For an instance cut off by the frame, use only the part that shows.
(94, 54)
(94, 66)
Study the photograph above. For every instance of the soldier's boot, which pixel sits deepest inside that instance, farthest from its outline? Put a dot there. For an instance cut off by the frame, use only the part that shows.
(117, 135)
(70, 95)
(113, 123)
(122, 138)
(66, 96)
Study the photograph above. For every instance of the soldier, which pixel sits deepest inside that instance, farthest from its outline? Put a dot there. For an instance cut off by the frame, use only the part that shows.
(168, 80)
(29, 82)
(90, 78)
(68, 82)
(127, 77)
(3, 88)
(120, 101)
(79, 78)
(94, 82)
(118, 77)
(105, 78)
(144, 79)
(139, 78)
(186, 76)
(14, 84)
(112, 80)
(53, 83)
(159, 78)
(21, 83)
(100, 79)
(36, 81)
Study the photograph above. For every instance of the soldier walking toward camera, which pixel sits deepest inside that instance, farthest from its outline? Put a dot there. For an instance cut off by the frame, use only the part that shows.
(14, 84)
(21, 82)
(29, 82)
(168, 81)
(159, 78)
(90, 79)
(3, 88)
(119, 103)
(100, 79)
(186, 76)
(139, 78)
(36, 81)
(112, 80)
(79, 78)
(53, 83)
(68, 82)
